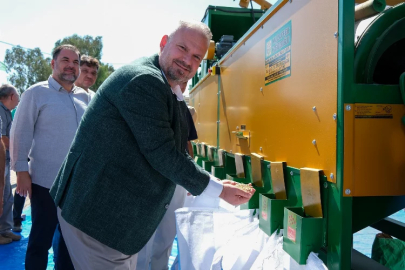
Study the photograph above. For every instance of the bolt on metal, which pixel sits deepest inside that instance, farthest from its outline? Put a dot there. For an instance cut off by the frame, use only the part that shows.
(291, 173)
(314, 142)
(314, 108)
(348, 107)
(334, 116)
(268, 166)
(261, 149)
(347, 191)
(325, 185)
(336, 34)
(332, 176)
(261, 89)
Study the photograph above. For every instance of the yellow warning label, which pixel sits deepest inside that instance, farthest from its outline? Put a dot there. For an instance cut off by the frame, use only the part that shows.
(373, 111)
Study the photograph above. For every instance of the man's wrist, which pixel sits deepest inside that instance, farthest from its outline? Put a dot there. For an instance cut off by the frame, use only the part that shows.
(214, 187)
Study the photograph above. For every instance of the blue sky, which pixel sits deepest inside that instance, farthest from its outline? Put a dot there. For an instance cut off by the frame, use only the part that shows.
(130, 28)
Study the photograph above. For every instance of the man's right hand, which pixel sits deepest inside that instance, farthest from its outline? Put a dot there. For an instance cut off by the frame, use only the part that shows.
(234, 195)
(24, 184)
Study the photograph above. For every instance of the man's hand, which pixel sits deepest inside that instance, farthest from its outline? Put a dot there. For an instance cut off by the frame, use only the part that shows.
(234, 195)
(24, 184)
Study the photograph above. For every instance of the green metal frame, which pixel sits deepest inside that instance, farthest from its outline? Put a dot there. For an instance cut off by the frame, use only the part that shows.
(226, 21)
(349, 214)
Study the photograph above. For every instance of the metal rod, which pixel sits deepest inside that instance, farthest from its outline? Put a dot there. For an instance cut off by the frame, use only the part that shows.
(368, 9)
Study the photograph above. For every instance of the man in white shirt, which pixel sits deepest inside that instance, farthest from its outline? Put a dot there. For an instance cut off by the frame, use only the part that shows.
(88, 74)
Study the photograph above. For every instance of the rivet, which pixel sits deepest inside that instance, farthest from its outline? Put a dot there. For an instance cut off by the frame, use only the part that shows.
(334, 116)
(314, 142)
(249, 160)
(262, 26)
(325, 185)
(261, 89)
(332, 176)
(336, 34)
(314, 108)
(291, 173)
(237, 127)
(347, 191)
(268, 166)
(348, 107)
(261, 149)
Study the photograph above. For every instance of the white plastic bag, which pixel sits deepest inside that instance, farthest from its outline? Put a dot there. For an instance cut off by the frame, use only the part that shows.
(201, 232)
(274, 257)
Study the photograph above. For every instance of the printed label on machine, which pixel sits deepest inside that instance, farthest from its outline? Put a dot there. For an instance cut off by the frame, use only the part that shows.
(278, 55)
(292, 226)
(373, 111)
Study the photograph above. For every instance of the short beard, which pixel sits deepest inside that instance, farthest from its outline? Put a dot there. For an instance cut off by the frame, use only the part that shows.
(173, 75)
(67, 78)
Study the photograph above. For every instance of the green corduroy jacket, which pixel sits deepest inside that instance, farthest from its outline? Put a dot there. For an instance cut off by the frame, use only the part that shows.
(126, 159)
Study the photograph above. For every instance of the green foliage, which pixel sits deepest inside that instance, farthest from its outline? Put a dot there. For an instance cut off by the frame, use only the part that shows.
(86, 45)
(104, 71)
(92, 47)
(26, 67)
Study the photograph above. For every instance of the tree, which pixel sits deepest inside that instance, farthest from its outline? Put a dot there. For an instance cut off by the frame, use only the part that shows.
(86, 45)
(26, 67)
(92, 47)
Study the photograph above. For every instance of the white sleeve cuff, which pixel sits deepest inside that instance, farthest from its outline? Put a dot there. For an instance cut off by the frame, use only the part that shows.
(214, 188)
(20, 166)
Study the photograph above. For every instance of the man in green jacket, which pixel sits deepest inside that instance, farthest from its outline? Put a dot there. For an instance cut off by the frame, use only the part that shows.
(128, 155)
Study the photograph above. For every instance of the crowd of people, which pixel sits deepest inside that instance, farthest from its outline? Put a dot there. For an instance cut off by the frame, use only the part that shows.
(105, 171)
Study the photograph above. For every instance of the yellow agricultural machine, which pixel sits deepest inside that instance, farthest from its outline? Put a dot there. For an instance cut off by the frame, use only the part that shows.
(305, 100)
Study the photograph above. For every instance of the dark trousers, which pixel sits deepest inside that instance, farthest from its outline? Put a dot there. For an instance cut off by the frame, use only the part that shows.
(44, 221)
(19, 202)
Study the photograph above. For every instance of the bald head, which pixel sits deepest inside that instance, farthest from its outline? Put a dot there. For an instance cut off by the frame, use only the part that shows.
(182, 51)
(199, 27)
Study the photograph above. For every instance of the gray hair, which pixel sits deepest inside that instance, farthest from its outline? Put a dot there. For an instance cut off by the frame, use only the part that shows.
(199, 26)
(6, 90)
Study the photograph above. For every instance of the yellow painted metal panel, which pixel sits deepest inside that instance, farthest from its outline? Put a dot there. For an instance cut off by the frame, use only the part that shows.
(256, 165)
(240, 168)
(377, 164)
(311, 192)
(203, 148)
(210, 152)
(221, 156)
(277, 180)
(280, 116)
(205, 103)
